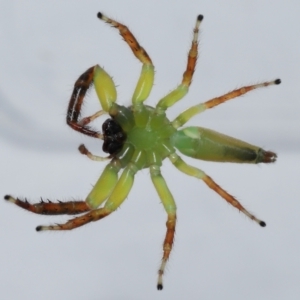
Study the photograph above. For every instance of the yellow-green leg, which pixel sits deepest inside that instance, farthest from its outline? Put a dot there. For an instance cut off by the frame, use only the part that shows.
(199, 108)
(170, 207)
(145, 82)
(105, 184)
(192, 171)
(122, 188)
(183, 88)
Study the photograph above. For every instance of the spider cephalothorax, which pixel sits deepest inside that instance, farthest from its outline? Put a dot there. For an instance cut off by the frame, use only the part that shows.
(142, 137)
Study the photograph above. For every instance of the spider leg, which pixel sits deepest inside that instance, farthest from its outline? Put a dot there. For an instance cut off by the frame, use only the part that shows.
(145, 82)
(50, 208)
(197, 109)
(183, 88)
(98, 195)
(116, 198)
(192, 171)
(170, 207)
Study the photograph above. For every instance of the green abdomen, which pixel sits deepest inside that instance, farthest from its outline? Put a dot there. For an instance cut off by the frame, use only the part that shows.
(206, 144)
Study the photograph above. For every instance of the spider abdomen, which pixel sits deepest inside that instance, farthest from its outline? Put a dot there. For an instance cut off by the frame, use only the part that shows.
(207, 144)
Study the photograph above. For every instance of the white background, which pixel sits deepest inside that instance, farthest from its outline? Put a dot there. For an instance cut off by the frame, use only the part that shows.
(218, 253)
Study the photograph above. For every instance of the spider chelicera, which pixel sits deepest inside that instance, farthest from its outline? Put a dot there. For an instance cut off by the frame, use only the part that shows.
(141, 136)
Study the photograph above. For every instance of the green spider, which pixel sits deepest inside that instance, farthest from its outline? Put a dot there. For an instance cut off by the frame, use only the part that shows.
(141, 136)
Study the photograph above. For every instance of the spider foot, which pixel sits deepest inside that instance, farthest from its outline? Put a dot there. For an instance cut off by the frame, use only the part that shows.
(252, 217)
(10, 198)
(160, 275)
(21, 203)
(50, 227)
(44, 228)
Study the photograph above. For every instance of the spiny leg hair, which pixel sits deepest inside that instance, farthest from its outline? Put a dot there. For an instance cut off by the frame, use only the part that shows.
(50, 208)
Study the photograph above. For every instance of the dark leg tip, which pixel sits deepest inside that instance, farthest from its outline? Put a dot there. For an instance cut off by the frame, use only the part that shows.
(200, 17)
(277, 81)
(159, 287)
(6, 197)
(99, 15)
(262, 224)
(38, 228)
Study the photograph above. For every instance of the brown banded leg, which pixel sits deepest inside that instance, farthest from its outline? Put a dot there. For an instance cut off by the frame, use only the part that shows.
(237, 93)
(139, 52)
(199, 108)
(146, 79)
(230, 199)
(197, 173)
(50, 208)
(178, 93)
(193, 55)
(115, 199)
(91, 216)
(170, 207)
(67, 208)
(81, 86)
(167, 248)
